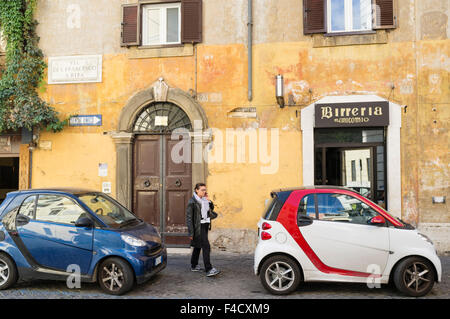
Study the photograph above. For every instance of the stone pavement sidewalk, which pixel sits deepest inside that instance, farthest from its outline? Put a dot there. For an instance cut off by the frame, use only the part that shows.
(235, 281)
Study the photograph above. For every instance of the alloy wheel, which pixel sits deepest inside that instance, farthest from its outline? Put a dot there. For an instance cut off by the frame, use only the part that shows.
(417, 277)
(4, 272)
(112, 277)
(280, 276)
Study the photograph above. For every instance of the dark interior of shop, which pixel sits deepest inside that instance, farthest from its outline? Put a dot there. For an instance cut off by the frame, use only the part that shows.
(9, 175)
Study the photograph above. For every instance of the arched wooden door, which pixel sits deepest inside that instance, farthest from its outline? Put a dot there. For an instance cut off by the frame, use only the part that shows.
(162, 185)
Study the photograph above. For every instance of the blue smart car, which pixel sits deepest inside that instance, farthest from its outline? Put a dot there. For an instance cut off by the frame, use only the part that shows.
(57, 233)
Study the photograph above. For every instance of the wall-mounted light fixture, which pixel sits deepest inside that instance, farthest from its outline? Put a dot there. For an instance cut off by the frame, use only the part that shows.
(279, 90)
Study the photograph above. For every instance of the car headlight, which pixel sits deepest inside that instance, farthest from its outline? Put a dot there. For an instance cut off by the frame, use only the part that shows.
(133, 241)
(425, 237)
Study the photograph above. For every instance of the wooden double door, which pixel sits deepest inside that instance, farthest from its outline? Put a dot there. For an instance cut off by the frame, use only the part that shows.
(162, 187)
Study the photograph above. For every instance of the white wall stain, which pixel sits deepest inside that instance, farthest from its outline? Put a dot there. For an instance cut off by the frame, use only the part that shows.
(435, 83)
(357, 84)
(298, 89)
(407, 86)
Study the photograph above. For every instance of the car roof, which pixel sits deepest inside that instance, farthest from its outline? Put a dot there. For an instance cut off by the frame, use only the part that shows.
(290, 189)
(67, 190)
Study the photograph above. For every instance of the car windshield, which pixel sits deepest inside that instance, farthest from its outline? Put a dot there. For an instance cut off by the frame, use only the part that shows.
(108, 210)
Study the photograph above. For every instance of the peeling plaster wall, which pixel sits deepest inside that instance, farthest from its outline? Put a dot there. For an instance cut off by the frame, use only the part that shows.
(74, 27)
(414, 60)
(433, 98)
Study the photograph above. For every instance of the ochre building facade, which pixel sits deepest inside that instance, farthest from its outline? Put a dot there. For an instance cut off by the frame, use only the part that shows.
(147, 68)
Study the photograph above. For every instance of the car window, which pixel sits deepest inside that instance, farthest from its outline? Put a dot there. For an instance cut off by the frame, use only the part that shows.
(109, 211)
(344, 208)
(278, 200)
(307, 206)
(27, 207)
(272, 210)
(58, 209)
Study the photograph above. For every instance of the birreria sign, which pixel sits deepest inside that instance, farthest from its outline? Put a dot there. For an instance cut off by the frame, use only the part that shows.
(352, 114)
(228, 146)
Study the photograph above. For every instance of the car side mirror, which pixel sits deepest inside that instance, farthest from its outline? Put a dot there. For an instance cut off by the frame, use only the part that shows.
(84, 222)
(22, 220)
(377, 221)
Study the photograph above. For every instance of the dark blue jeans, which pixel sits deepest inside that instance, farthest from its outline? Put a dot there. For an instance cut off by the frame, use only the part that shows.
(206, 249)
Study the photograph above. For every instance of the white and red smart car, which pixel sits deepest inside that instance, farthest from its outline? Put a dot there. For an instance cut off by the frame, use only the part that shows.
(334, 234)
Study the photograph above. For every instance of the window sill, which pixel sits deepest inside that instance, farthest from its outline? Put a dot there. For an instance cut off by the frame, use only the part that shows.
(160, 51)
(349, 38)
(335, 34)
(160, 46)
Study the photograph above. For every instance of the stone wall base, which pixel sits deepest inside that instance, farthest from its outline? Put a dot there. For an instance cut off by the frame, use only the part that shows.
(439, 233)
(233, 240)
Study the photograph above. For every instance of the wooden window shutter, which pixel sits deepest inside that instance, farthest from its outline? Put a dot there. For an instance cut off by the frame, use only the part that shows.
(314, 12)
(130, 25)
(384, 14)
(191, 21)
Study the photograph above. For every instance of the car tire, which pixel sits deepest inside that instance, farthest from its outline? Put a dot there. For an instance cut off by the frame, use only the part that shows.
(280, 275)
(8, 272)
(414, 276)
(115, 276)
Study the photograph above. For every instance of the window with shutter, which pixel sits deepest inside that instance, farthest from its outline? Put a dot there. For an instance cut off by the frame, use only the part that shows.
(349, 15)
(191, 20)
(314, 16)
(384, 14)
(340, 16)
(130, 25)
(161, 24)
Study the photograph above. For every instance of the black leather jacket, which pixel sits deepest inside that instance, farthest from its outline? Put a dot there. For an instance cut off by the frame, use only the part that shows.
(193, 220)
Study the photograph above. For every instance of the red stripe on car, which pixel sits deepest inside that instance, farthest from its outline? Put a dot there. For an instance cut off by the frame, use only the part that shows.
(288, 218)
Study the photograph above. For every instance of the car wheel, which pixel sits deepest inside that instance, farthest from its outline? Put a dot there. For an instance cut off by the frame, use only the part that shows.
(115, 276)
(280, 275)
(414, 276)
(8, 272)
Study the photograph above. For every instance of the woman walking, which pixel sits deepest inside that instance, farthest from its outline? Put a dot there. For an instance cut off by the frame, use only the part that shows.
(199, 212)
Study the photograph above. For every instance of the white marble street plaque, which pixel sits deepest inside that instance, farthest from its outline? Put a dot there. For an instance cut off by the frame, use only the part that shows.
(75, 69)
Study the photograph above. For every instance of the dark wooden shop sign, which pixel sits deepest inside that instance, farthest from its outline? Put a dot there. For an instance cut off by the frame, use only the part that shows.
(352, 114)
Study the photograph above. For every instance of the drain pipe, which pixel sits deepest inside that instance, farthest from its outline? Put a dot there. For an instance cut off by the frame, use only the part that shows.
(250, 51)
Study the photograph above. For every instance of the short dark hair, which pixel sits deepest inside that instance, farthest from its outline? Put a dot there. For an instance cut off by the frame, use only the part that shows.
(198, 185)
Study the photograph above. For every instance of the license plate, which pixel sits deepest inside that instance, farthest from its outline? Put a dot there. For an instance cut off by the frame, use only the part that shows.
(158, 260)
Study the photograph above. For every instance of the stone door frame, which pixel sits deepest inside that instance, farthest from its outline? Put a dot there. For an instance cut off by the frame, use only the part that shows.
(124, 137)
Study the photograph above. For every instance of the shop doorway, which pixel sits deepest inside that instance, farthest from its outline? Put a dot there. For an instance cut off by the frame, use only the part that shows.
(9, 175)
(353, 158)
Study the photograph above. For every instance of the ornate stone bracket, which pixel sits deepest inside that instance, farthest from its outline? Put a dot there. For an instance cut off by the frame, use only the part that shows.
(160, 90)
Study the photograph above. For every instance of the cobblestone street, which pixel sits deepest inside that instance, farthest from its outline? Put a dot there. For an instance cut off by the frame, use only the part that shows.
(235, 281)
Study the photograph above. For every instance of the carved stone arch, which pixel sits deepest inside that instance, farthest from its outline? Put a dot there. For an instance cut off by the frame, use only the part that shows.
(124, 137)
(174, 95)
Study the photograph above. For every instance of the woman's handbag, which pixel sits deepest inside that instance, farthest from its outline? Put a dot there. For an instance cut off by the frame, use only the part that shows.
(212, 214)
